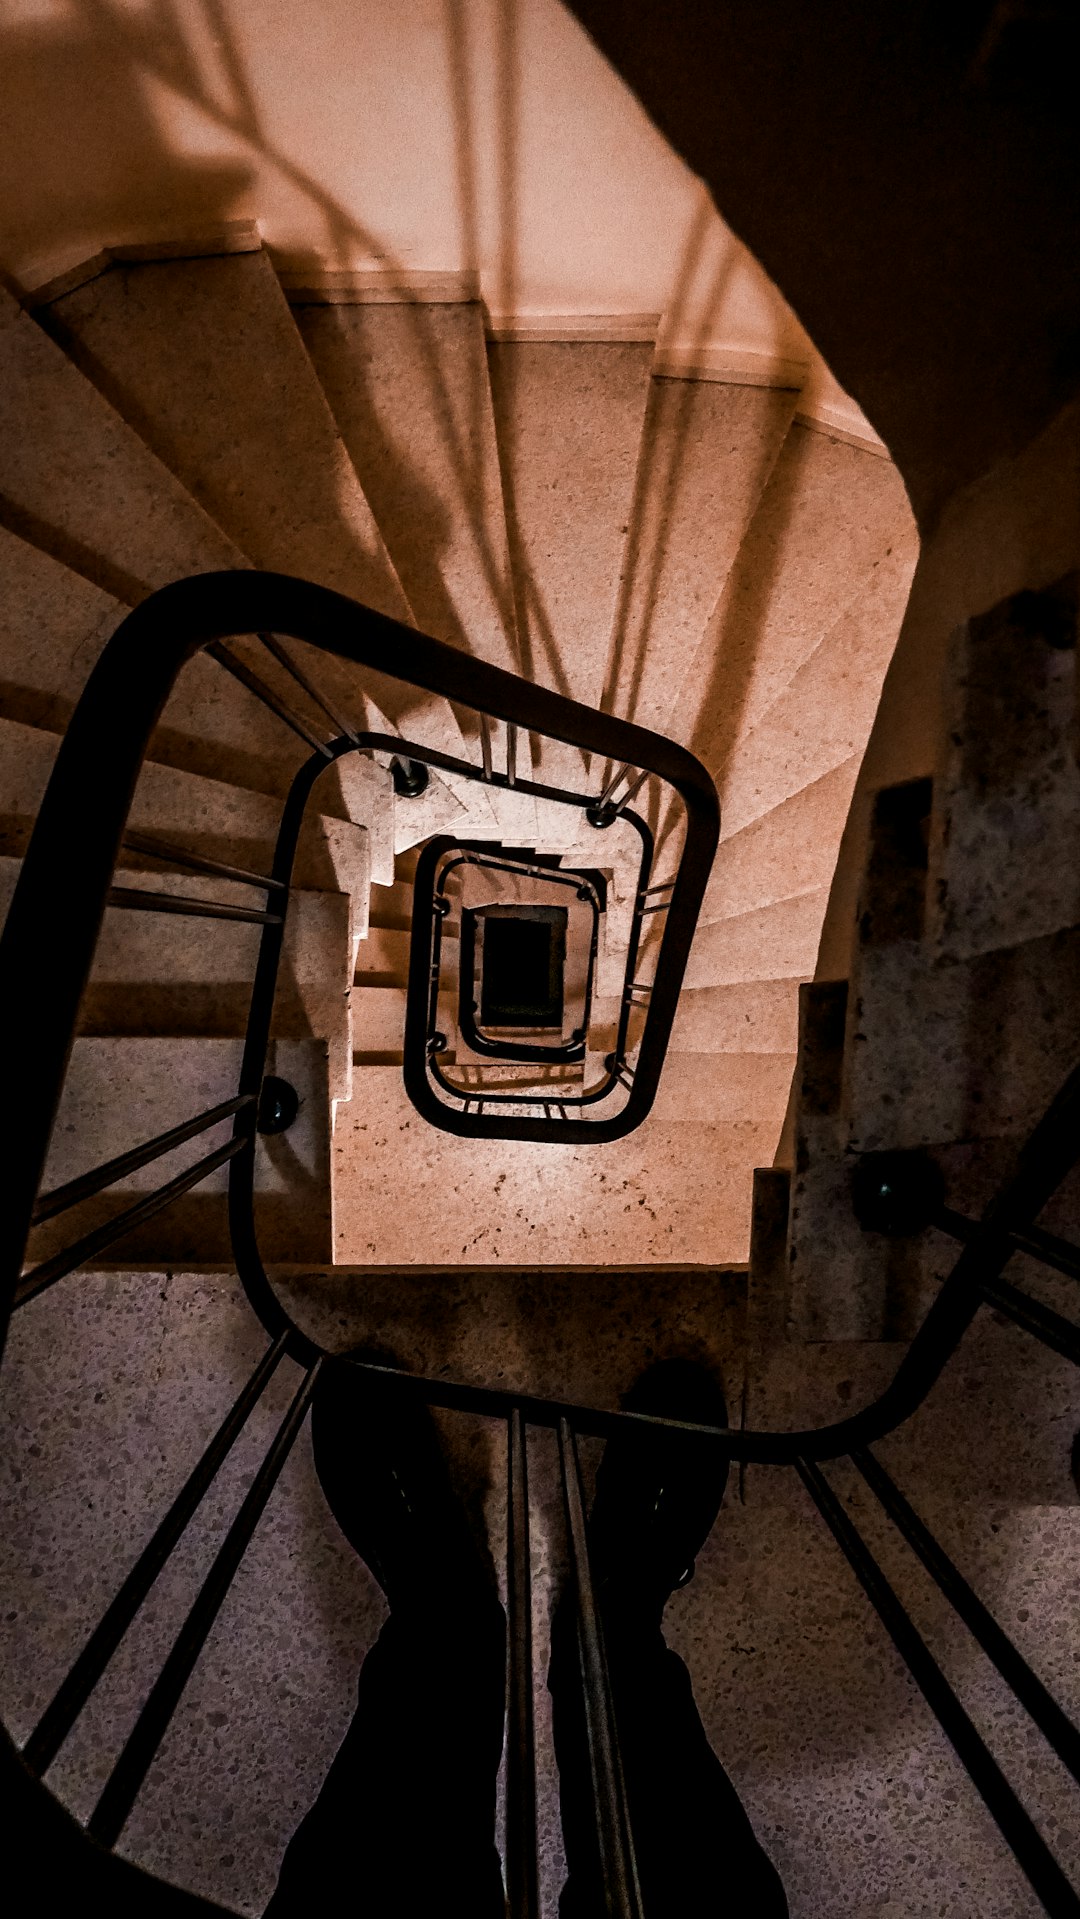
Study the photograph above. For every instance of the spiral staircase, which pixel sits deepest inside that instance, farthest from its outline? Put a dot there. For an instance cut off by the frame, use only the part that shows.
(702, 557)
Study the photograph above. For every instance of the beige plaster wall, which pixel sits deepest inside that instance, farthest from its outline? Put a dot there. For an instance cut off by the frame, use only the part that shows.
(484, 136)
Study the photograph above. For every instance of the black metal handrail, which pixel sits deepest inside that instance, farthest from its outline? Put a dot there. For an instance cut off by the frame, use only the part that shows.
(587, 886)
(420, 1055)
(45, 958)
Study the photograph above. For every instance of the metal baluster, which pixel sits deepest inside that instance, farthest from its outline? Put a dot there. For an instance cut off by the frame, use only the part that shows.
(55, 1268)
(267, 695)
(58, 1718)
(112, 1810)
(634, 787)
(137, 899)
(511, 754)
(485, 745)
(198, 862)
(88, 1184)
(613, 783)
(619, 1867)
(284, 658)
(1025, 1841)
(1025, 1685)
(1051, 1328)
(522, 1883)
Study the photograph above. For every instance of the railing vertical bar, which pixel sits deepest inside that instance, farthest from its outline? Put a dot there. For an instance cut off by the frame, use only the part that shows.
(284, 658)
(1023, 1838)
(522, 1881)
(613, 783)
(87, 1184)
(58, 1718)
(267, 695)
(1057, 1729)
(511, 754)
(1040, 1321)
(485, 746)
(619, 1867)
(634, 787)
(112, 1810)
(94, 1243)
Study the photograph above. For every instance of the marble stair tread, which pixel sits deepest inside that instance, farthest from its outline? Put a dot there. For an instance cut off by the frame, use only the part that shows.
(378, 1023)
(382, 957)
(120, 1092)
(204, 816)
(367, 792)
(646, 1199)
(768, 942)
(408, 387)
(169, 976)
(706, 452)
(54, 623)
(78, 481)
(569, 416)
(822, 718)
(726, 1089)
(753, 1016)
(247, 431)
(791, 849)
(826, 519)
(1007, 784)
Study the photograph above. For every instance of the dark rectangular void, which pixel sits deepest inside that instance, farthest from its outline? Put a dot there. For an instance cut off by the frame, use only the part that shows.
(522, 960)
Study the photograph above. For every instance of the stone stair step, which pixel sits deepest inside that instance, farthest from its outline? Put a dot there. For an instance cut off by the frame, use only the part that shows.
(755, 1016)
(771, 942)
(731, 1089)
(824, 521)
(569, 416)
(367, 791)
(378, 1023)
(121, 1092)
(791, 849)
(1007, 784)
(669, 1193)
(209, 817)
(706, 452)
(407, 383)
(78, 481)
(822, 718)
(247, 431)
(163, 974)
(53, 625)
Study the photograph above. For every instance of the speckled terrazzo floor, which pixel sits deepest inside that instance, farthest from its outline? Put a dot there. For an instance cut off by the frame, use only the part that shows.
(111, 1385)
